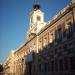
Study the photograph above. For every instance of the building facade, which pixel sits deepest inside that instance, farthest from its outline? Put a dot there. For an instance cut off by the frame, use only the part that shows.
(50, 47)
(1, 69)
(9, 65)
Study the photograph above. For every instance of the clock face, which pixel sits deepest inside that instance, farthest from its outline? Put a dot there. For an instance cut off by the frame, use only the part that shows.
(38, 18)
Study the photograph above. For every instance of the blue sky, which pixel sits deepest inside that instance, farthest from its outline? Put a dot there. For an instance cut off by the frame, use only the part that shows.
(14, 21)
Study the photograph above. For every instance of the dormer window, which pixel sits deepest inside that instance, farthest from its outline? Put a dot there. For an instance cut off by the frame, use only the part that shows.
(38, 18)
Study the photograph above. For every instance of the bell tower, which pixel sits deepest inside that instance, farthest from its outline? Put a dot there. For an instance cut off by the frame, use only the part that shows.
(36, 21)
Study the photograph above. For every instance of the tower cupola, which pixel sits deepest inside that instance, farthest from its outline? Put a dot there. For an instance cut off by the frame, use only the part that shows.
(36, 6)
(36, 21)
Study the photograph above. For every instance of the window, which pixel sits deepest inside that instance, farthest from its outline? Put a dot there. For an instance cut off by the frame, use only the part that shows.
(55, 51)
(72, 63)
(40, 44)
(55, 35)
(51, 39)
(61, 65)
(66, 65)
(59, 51)
(52, 66)
(65, 47)
(71, 50)
(45, 41)
(40, 67)
(70, 27)
(35, 29)
(74, 26)
(30, 49)
(38, 18)
(59, 35)
(69, 30)
(48, 66)
(45, 67)
(22, 59)
(31, 27)
(56, 65)
(34, 47)
(34, 68)
(64, 33)
(64, 29)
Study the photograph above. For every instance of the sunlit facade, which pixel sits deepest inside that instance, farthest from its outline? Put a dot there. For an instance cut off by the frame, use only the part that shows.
(50, 47)
(9, 65)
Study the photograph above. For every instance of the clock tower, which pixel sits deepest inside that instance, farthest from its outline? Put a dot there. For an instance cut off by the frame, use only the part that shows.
(36, 21)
